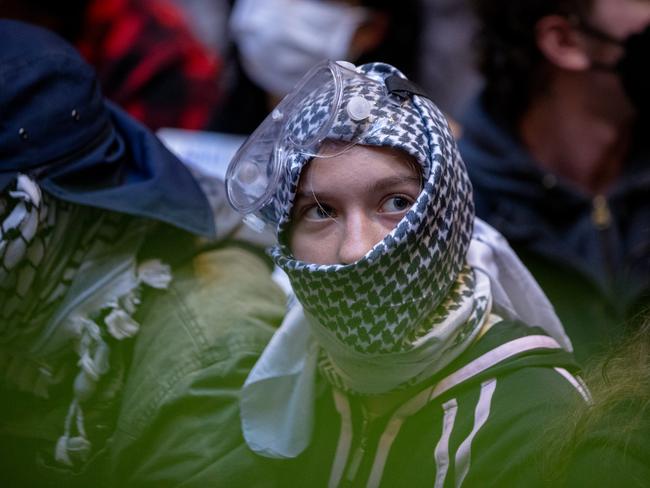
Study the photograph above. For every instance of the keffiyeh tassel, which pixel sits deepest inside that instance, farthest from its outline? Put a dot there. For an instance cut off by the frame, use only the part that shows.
(68, 276)
(74, 446)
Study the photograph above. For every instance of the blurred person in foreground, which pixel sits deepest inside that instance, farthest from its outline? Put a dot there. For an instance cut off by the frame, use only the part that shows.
(146, 59)
(557, 152)
(418, 350)
(124, 338)
(275, 42)
(606, 442)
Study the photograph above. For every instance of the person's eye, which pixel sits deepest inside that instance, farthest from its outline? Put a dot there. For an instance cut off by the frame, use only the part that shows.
(396, 204)
(318, 212)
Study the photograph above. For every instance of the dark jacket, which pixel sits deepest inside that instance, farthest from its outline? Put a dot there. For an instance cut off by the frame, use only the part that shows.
(476, 425)
(591, 255)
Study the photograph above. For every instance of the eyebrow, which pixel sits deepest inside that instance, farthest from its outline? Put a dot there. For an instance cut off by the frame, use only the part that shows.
(378, 186)
(385, 183)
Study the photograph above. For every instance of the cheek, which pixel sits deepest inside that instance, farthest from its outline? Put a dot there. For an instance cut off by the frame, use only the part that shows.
(313, 247)
(303, 245)
(390, 221)
(298, 243)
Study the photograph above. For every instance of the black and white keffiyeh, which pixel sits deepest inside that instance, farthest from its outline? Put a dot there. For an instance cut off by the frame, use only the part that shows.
(385, 302)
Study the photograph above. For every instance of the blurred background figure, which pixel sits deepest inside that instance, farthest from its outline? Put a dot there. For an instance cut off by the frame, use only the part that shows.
(208, 20)
(145, 56)
(605, 443)
(556, 149)
(446, 60)
(275, 42)
(434, 37)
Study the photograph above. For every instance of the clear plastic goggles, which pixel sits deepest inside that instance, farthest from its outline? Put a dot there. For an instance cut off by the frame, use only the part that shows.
(328, 103)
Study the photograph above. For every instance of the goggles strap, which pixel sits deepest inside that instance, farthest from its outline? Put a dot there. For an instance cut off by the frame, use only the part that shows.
(403, 88)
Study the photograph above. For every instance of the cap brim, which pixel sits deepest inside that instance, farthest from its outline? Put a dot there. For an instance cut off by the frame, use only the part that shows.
(132, 172)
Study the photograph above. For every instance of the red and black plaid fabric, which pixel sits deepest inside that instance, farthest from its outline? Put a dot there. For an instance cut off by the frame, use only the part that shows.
(149, 63)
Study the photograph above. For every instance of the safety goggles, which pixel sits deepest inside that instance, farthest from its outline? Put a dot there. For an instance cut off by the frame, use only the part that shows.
(334, 102)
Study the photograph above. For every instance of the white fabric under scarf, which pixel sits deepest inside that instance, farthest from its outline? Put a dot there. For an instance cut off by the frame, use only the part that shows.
(280, 40)
(456, 324)
(277, 400)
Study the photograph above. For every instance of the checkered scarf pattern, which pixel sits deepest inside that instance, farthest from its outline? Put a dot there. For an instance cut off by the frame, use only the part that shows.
(385, 301)
(42, 247)
(46, 245)
(465, 291)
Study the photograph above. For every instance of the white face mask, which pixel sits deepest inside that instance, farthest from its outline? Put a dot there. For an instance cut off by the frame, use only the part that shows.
(280, 40)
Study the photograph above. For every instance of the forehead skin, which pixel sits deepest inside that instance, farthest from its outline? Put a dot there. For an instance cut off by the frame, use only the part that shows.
(357, 166)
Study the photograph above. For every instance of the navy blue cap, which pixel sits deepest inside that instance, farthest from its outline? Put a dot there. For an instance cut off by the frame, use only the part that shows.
(56, 127)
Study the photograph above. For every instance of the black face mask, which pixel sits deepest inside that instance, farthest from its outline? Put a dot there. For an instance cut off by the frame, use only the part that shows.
(633, 67)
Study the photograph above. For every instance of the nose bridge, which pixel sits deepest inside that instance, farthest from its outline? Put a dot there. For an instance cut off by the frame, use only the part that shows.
(359, 234)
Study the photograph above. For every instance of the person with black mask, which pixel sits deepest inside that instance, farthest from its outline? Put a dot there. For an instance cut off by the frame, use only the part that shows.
(631, 67)
(556, 152)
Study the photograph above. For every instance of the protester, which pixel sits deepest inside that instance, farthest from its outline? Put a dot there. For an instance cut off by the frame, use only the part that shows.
(123, 341)
(146, 59)
(275, 42)
(419, 351)
(557, 154)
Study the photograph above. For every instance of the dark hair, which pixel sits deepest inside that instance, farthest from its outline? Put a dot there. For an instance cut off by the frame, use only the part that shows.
(64, 17)
(508, 56)
(401, 44)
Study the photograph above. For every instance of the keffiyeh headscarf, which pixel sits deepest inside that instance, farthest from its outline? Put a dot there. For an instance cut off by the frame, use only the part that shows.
(69, 285)
(389, 303)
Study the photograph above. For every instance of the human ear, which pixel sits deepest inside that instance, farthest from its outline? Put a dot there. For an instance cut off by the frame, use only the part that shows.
(561, 43)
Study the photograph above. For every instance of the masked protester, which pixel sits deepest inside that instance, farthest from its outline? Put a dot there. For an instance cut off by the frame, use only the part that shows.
(276, 42)
(418, 351)
(109, 312)
(280, 41)
(557, 152)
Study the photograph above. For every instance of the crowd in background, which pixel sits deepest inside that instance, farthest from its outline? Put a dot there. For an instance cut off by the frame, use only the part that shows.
(548, 101)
